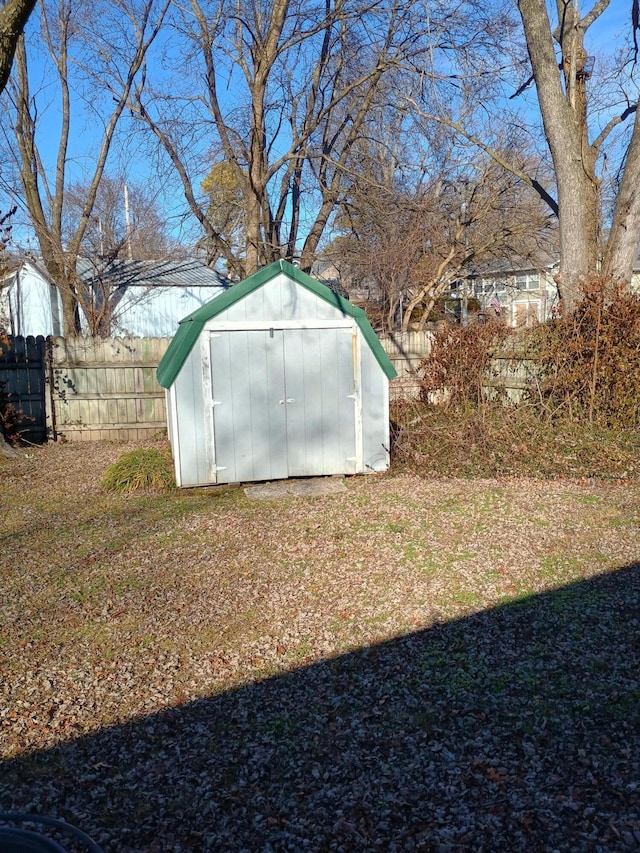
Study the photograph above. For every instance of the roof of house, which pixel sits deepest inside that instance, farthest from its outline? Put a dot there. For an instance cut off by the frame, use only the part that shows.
(521, 265)
(164, 273)
(191, 326)
(514, 265)
(122, 273)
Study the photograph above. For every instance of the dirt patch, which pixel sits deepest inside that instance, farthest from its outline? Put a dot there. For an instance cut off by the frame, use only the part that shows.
(308, 488)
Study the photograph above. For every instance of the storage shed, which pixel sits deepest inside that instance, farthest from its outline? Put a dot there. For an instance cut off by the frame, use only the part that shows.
(277, 377)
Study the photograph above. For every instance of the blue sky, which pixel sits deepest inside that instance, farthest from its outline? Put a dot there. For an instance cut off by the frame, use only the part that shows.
(611, 28)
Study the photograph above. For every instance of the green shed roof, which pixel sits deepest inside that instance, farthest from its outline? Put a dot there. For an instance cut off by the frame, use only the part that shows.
(190, 327)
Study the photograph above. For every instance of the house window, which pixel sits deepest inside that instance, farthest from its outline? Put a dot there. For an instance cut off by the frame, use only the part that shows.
(527, 314)
(488, 286)
(527, 281)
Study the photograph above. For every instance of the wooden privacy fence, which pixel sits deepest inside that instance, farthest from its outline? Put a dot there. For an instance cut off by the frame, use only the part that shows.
(512, 371)
(105, 388)
(513, 374)
(84, 389)
(406, 350)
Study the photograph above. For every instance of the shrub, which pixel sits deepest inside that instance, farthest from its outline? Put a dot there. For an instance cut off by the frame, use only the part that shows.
(590, 360)
(455, 373)
(147, 469)
(9, 418)
(578, 416)
(498, 441)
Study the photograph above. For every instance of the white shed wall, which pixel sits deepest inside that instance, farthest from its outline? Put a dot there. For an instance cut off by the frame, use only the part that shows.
(375, 413)
(187, 432)
(280, 299)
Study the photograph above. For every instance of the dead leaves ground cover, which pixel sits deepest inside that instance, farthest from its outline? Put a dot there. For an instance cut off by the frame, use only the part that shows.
(415, 665)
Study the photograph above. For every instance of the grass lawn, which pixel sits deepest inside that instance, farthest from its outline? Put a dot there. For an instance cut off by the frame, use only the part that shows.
(121, 613)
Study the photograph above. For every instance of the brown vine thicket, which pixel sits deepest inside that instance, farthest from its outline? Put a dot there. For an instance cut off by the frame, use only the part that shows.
(455, 373)
(578, 415)
(590, 360)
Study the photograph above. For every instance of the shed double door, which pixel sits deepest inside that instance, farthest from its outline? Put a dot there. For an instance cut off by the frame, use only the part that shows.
(283, 403)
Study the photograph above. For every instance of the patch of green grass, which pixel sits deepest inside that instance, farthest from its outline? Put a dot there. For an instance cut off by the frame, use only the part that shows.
(457, 595)
(88, 592)
(303, 650)
(561, 567)
(620, 521)
(277, 727)
(146, 469)
(414, 553)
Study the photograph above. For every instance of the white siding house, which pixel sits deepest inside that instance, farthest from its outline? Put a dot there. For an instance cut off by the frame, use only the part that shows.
(29, 303)
(145, 298)
(521, 296)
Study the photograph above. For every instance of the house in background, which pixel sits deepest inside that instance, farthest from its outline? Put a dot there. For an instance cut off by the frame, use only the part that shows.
(520, 293)
(132, 298)
(29, 301)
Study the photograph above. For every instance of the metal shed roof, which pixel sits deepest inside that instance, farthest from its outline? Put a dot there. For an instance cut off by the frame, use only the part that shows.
(169, 272)
(190, 327)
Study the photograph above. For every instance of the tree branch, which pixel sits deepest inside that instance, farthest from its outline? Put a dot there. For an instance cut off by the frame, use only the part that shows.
(594, 14)
(616, 120)
(496, 156)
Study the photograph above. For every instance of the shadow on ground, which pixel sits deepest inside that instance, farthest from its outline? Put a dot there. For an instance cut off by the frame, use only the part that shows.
(513, 729)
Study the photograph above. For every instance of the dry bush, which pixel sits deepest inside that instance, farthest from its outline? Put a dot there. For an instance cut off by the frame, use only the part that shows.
(590, 360)
(9, 417)
(579, 417)
(508, 441)
(455, 373)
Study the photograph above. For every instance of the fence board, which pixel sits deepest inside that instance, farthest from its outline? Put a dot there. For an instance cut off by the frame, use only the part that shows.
(406, 350)
(511, 370)
(107, 389)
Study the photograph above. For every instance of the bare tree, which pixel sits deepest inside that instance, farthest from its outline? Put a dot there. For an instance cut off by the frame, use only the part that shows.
(411, 243)
(108, 40)
(125, 222)
(563, 98)
(305, 75)
(576, 128)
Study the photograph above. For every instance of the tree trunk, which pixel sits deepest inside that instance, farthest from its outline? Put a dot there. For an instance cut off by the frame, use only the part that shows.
(13, 17)
(622, 246)
(70, 311)
(252, 259)
(578, 228)
(564, 116)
